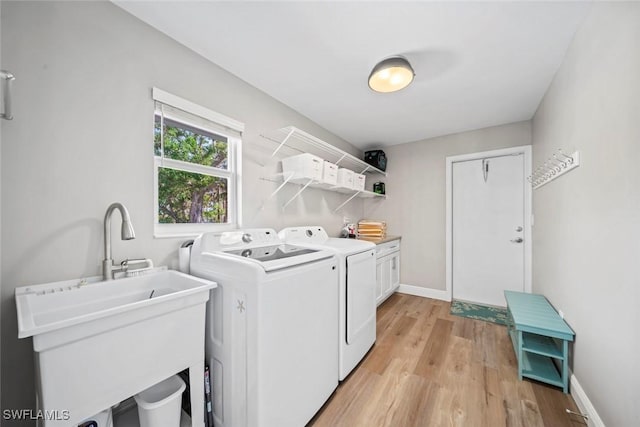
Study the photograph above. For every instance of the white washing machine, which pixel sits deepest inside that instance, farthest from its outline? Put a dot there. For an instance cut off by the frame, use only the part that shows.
(357, 290)
(272, 327)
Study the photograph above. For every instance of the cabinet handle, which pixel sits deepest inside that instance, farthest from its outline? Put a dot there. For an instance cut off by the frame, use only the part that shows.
(8, 80)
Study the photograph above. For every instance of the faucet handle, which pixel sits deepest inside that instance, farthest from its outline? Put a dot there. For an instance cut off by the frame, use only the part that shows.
(128, 262)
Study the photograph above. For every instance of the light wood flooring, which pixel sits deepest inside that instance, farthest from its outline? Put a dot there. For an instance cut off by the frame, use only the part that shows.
(429, 368)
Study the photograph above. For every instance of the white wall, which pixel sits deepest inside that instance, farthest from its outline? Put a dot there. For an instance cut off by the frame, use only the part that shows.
(82, 138)
(416, 190)
(587, 223)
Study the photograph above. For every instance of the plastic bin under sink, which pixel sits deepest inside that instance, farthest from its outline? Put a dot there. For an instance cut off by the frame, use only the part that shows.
(160, 405)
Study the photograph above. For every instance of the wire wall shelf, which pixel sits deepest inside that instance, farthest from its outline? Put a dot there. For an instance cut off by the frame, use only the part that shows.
(284, 179)
(292, 140)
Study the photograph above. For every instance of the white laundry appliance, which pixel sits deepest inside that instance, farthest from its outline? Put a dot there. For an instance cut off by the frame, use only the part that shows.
(272, 327)
(357, 289)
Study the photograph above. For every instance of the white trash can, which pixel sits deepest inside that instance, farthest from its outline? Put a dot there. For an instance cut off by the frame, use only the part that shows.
(160, 405)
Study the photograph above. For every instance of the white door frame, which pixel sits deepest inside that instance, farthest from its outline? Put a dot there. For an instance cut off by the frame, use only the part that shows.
(528, 214)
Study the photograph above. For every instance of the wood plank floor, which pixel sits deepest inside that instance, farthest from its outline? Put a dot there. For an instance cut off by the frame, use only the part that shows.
(429, 368)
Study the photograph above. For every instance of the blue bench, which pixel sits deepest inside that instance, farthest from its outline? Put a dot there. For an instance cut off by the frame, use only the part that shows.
(539, 335)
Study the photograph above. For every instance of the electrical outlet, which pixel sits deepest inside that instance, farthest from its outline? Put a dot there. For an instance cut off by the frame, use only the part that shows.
(561, 313)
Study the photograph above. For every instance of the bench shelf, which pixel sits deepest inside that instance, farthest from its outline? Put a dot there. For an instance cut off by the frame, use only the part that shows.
(540, 368)
(540, 338)
(539, 344)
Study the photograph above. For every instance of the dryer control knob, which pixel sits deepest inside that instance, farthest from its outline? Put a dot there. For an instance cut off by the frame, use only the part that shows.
(247, 238)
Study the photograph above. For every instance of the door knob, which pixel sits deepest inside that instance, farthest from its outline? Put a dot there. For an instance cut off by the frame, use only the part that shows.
(517, 240)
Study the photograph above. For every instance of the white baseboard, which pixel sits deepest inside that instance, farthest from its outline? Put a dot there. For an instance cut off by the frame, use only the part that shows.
(419, 291)
(584, 404)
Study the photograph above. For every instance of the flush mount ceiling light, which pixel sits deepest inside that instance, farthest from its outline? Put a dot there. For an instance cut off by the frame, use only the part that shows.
(391, 74)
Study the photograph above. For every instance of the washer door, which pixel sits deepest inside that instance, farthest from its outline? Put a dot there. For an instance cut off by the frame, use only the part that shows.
(361, 295)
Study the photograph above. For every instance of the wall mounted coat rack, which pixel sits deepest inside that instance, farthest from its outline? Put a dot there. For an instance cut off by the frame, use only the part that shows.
(555, 166)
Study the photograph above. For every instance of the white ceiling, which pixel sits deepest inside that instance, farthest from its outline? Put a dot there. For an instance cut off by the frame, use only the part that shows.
(477, 64)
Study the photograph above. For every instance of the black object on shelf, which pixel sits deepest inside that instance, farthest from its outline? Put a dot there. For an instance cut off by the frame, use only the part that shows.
(378, 187)
(376, 158)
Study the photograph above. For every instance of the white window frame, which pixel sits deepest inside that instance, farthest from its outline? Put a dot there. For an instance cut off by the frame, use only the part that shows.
(174, 107)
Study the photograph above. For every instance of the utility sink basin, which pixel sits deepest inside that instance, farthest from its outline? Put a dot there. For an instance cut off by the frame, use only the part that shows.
(54, 306)
(99, 342)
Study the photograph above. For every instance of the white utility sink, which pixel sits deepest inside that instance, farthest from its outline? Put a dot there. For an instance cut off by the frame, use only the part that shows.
(99, 343)
(55, 306)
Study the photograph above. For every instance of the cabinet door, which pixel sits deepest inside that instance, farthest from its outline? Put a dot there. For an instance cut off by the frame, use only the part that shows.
(386, 272)
(383, 278)
(379, 291)
(395, 272)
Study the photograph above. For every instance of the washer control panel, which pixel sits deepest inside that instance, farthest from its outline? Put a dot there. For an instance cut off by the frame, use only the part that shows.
(240, 239)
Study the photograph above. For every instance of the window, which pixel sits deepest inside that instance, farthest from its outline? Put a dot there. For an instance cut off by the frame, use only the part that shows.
(197, 168)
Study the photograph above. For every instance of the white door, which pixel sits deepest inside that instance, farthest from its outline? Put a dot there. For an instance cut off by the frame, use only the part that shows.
(488, 228)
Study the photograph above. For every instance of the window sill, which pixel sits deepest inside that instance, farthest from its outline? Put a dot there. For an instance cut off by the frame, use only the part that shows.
(188, 231)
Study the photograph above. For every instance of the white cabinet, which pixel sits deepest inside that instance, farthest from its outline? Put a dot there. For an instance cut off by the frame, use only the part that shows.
(387, 269)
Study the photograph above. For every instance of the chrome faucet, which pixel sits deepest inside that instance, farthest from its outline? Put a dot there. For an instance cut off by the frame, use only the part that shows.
(126, 233)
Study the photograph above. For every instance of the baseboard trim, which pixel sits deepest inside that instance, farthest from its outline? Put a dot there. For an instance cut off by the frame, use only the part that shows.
(419, 291)
(584, 404)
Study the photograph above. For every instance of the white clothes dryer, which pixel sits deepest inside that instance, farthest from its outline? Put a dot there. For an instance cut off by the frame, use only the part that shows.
(357, 287)
(272, 327)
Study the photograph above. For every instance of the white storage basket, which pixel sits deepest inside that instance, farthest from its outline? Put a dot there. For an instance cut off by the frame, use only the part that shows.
(330, 173)
(358, 182)
(303, 167)
(345, 178)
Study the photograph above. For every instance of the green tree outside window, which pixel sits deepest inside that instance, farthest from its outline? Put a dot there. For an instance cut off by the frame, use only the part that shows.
(188, 197)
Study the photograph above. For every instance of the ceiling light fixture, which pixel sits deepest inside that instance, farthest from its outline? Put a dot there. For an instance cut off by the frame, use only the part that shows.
(391, 74)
